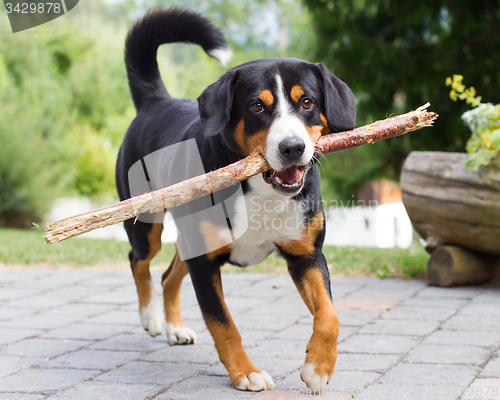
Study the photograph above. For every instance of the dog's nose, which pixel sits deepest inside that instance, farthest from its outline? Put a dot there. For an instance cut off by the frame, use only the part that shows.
(292, 148)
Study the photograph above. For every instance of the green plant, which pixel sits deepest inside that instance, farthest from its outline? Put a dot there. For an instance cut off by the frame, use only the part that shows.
(484, 122)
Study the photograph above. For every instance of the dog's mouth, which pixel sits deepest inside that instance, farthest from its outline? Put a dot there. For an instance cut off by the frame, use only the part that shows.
(288, 181)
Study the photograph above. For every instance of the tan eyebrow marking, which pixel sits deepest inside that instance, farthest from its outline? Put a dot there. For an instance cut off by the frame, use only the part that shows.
(296, 93)
(267, 97)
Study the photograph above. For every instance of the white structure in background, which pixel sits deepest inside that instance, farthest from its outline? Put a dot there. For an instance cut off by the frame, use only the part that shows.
(384, 225)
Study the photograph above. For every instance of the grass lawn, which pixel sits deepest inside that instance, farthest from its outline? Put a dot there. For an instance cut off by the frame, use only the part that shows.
(26, 248)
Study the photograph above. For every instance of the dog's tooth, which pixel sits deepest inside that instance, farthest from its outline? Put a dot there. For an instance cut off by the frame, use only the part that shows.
(299, 178)
(279, 180)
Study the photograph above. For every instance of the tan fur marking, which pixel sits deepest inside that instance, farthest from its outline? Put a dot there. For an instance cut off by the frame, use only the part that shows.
(315, 132)
(326, 130)
(172, 289)
(296, 93)
(305, 245)
(228, 344)
(213, 240)
(322, 347)
(267, 97)
(140, 270)
(251, 143)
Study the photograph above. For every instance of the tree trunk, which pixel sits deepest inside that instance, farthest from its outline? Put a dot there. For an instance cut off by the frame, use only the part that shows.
(449, 205)
(455, 266)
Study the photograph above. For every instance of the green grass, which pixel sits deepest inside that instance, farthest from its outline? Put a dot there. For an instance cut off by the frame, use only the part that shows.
(27, 248)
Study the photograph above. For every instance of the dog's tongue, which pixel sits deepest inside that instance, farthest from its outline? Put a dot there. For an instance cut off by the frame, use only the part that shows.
(290, 174)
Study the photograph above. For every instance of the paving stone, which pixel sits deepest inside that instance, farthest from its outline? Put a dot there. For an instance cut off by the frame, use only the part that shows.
(380, 294)
(38, 347)
(92, 359)
(345, 332)
(435, 302)
(492, 369)
(341, 383)
(366, 362)
(14, 312)
(297, 393)
(490, 296)
(472, 323)
(285, 349)
(204, 387)
(21, 396)
(197, 353)
(301, 332)
(11, 335)
(356, 318)
(418, 313)
(41, 301)
(44, 380)
(86, 331)
(448, 354)
(481, 309)
(484, 389)
(116, 317)
(400, 327)
(50, 319)
(88, 310)
(372, 305)
(471, 338)
(377, 344)
(114, 297)
(11, 364)
(96, 390)
(165, 374)
(9, 294)
(441, 375)
(128, 342)
(380, 391)
(453, 292)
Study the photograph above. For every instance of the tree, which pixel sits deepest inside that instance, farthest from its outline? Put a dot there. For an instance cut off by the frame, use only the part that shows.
(396, 55)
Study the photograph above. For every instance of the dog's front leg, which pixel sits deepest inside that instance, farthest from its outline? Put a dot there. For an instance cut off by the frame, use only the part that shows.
(310, 274)
(243, 373)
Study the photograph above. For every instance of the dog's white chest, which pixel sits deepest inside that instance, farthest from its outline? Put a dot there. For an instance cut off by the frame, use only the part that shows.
(270, 218)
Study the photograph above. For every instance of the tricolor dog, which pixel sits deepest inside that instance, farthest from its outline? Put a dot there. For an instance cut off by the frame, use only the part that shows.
(278, 106)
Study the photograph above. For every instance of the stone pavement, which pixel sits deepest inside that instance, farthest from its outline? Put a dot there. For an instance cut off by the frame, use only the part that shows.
(75, 334)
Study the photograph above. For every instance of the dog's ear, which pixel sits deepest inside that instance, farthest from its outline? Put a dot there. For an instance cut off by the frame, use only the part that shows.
(340, 104)
(216, 102)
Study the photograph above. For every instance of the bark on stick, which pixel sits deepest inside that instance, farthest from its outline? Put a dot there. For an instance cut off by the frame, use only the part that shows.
(194, 188)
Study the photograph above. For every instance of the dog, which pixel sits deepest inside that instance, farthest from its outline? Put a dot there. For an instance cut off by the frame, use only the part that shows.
(279, 107)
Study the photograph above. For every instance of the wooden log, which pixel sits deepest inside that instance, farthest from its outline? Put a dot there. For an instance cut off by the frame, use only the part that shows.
(194, 188)
(450, 205)
(455, 266)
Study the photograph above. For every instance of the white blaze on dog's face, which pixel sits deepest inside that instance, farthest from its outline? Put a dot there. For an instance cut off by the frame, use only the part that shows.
(289, 148)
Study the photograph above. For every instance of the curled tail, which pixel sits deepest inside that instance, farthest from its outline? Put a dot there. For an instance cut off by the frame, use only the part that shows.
(166, 26)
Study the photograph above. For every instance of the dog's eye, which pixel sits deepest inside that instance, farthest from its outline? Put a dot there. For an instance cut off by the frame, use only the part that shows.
(307, 104)
(257, 107)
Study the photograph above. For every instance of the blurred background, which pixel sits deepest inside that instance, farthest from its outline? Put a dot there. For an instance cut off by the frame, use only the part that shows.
(65, 103)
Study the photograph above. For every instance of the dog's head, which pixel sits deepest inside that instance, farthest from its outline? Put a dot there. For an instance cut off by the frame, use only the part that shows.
(280, 107)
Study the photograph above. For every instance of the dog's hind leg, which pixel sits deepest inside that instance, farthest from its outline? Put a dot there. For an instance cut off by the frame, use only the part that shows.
(145, 244)
(177, 332)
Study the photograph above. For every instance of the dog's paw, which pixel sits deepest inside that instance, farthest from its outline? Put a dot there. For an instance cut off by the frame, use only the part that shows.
(180, 335)
(152, 317)
(256, 381)
(314, 381)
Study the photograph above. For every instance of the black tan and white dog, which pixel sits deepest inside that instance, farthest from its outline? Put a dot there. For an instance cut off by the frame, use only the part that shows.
(278, 106)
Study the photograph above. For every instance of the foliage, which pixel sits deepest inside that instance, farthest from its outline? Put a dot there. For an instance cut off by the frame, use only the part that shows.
(395, 54)
(484, 122)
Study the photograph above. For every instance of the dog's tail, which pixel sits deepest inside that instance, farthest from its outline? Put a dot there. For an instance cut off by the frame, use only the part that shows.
(166, 26)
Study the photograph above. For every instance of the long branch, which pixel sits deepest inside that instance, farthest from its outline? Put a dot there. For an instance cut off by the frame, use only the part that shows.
(194, 188)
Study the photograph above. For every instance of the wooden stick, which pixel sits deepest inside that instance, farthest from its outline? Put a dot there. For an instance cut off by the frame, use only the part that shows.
(194, 188)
